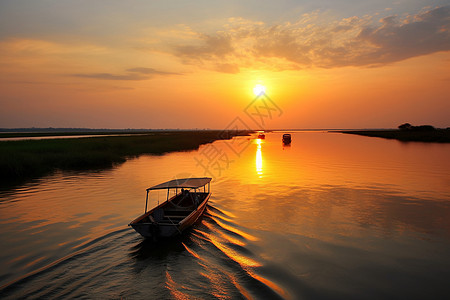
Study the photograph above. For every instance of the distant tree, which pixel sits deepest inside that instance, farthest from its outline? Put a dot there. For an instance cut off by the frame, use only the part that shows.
(424, 128)
(405, 126)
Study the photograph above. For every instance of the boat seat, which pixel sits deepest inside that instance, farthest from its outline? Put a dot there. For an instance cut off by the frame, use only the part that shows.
(158, 215)
(167, 221)
(180, 212)
(174, 217)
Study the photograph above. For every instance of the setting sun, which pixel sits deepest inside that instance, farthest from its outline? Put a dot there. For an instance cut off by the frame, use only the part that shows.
(259, 89)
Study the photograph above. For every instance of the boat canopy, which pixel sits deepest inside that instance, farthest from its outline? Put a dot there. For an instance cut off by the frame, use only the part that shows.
(192, 183)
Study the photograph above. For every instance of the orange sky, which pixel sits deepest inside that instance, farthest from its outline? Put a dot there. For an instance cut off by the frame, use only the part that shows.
(178, 65)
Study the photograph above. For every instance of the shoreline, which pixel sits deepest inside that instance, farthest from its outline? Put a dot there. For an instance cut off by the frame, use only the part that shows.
(32, 133)
(432, 136)
(23, 160)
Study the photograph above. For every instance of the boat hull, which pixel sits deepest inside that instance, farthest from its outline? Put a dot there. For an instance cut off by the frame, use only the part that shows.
(286, 139)
(158, 230)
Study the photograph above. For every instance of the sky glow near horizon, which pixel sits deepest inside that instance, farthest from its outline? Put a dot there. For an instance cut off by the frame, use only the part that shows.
(178, 64)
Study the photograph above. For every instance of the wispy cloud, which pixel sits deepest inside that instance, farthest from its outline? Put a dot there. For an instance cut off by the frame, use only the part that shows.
(227, 68)
(398, 39)
(150, 71)
(109, 76)
(139, 73)
(211, 47)
(355, 41)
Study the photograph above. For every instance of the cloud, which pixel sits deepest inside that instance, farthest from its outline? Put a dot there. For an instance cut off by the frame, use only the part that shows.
(211, 47)
(227, 68)
(109, 76)
(139, 73)
(397, 40)
(309, 42)
(150, 71)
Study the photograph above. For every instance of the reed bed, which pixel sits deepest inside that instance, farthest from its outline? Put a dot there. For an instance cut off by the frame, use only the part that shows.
(25, 159)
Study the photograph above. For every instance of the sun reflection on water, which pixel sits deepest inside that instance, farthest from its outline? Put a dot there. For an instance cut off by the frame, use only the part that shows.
(259, 160)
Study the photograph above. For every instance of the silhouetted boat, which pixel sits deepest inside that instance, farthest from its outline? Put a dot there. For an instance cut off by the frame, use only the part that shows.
(287, 138)
(176, 213)
(261, 135)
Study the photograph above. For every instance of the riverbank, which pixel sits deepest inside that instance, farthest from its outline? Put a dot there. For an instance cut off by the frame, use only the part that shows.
(432, 136)
(71, 133)
(27, 159)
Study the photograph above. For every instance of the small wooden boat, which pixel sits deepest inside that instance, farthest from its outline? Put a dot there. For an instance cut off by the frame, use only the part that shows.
(287, 139)
(261, 135)
(178, 212)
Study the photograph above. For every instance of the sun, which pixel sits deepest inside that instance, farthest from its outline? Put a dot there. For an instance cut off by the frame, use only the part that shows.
(259, 90)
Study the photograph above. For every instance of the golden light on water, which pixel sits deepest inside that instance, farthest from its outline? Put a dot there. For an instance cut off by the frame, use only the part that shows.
(258, 160)
(222, 242)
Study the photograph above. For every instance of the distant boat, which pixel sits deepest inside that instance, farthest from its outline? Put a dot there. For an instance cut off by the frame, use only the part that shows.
(287, 138)
(176, 213)
(261, 135)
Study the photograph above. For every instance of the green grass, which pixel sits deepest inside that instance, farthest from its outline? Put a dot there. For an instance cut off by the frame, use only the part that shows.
(433, 136)
(26, 159)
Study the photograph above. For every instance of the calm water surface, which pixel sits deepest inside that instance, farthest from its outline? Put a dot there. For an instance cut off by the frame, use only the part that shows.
(332, 216)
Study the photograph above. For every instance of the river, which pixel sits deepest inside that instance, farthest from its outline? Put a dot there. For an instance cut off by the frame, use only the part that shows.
(332, 216)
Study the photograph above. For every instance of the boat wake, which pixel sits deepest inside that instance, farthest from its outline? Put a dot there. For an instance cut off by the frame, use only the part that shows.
(65, 276)
(216, 258)
(225, 261)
